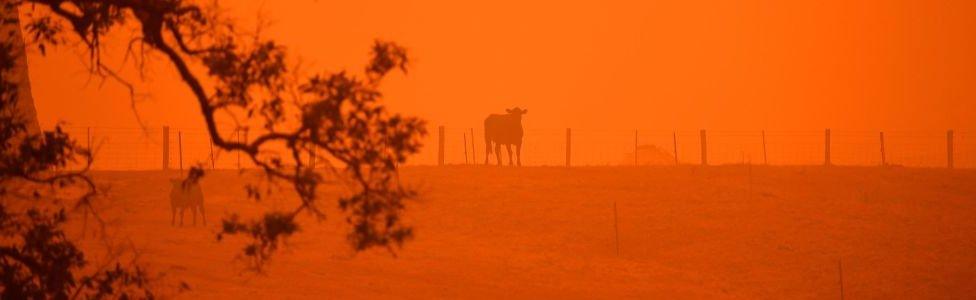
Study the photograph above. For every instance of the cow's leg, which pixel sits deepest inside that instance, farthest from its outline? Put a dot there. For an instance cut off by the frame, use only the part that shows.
(487, 151)
(509, 148)
(173, 221)
(182, 212)
(518, 154)
(193, 211)
(498, 153)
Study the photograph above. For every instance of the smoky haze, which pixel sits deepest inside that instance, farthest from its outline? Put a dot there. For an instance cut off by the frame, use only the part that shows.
(657, 65)
(703, 149)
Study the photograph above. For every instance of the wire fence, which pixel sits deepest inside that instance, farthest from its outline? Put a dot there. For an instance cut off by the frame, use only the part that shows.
(143, 148)
(610, 147)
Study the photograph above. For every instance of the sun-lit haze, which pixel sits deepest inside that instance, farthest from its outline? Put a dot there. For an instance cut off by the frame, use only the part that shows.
(858, 65)
(663, 149)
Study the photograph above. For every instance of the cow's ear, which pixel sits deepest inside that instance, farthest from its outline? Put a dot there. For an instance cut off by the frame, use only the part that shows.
(508, 110)
(525, 111)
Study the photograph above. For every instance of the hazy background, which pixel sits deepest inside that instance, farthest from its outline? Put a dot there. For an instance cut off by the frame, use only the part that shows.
(731, 65)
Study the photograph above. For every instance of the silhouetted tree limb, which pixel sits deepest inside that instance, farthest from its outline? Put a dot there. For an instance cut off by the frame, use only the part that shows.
(340, 116)
(37, 260)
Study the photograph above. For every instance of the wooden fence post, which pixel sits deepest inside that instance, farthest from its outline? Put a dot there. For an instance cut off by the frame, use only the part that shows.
(827, 147)
(465, 145)
(179, 141)
(636, 161)
(213, 161)
(311, 158)
(675, 136)
(165, 147)
(704, 148)
(88, 142)
(474, 156)
(440, 145)
(840, 278)
(238, 133)
(949, 148)
(616, 232)
(245, 139)
(765, 156)
(569, 146)
(884, 159)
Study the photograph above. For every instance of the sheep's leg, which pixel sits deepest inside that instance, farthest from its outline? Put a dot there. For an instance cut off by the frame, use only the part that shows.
(203, 215)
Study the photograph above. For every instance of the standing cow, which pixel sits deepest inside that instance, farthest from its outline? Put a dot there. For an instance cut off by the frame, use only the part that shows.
(504, 130)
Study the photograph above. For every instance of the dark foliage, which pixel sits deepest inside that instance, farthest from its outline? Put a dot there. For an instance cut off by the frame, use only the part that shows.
(37, 260)
(265, 233)
(337, 117)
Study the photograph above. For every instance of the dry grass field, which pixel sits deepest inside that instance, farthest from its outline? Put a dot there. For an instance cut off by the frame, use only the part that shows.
(742, 232)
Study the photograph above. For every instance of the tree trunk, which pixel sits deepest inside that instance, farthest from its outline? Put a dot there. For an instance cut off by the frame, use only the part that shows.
(11, 31)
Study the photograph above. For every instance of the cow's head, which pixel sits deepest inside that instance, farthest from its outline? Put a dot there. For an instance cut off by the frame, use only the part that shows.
(518, 112)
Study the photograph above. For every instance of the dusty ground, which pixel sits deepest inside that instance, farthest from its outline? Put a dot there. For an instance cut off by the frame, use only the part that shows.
(684, 232)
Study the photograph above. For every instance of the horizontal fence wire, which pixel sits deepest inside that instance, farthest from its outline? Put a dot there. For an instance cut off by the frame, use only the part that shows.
(142, 148)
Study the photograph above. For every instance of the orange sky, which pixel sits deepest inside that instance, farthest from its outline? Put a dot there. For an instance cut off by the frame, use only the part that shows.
(869, 64)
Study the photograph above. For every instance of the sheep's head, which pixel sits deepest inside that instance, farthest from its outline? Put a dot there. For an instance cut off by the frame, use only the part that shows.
(176, 182)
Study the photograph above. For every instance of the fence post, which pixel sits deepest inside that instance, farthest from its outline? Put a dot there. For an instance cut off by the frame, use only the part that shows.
(238, 133)
(704, 148)
(179, 141)
(165, 147)
(827, 147)
(440, 145)
(465, 145)
(213, 161)
(949, 148)
(474, 156)
(616, 232)
(636, 161)
(765, 156)
(884, 159)
(569, 146)
(245, 139)
(89, 141)
(675, 136)
(311, 158)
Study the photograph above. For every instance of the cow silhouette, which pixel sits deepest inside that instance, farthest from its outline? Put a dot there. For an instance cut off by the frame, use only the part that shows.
(504, 130)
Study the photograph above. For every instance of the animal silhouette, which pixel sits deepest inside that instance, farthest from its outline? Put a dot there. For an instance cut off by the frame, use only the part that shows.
(186, 194)
(504, 130)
